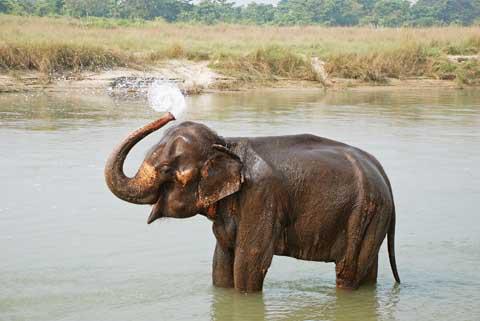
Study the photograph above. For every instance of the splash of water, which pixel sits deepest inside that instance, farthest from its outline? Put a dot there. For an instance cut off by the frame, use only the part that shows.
(166, 96)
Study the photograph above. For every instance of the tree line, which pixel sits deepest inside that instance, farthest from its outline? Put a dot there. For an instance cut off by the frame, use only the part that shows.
(382, 13)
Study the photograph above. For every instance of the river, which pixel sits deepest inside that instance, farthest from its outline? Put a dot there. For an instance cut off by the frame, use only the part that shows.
(70, 250)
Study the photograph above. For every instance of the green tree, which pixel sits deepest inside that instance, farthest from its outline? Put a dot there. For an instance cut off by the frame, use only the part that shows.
(340, 12)
(430, 12)
(367, 6)
(297, 12)
(212, 11)
(459, 12)
(21, 7)
(390, 13)
(85, 8)
(327, 12)
(151, 9)
(423, 14)
(6, 6)
(59, 4)
(446, 11)
(258, 13)
(48, 7)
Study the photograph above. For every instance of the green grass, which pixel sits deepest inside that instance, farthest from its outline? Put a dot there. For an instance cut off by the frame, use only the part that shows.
(59, 44)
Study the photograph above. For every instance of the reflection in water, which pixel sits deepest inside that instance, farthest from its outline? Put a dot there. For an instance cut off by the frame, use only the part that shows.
(72, 251)
(325, 304)
(228, 304)
(404, 105)
(347, 305)
(53, 112)
(42, 112)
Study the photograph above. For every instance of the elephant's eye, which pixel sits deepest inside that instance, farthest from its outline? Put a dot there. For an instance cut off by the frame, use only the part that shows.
(165, 170)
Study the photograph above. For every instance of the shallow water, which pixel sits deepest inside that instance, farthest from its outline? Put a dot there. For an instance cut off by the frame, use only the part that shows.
(71, 251)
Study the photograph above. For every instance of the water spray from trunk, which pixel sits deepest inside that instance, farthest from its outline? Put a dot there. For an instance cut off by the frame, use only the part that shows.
(165, 96)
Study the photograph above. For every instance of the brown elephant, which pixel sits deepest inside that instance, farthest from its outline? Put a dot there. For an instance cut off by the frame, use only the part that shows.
(301, 196)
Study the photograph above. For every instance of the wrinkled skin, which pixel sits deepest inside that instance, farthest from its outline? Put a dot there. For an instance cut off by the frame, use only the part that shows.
(301, 196)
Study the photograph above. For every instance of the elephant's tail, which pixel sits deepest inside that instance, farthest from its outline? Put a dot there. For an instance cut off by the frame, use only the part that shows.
(391, 247)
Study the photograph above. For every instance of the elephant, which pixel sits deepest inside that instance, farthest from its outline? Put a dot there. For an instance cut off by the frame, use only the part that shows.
(301, 196)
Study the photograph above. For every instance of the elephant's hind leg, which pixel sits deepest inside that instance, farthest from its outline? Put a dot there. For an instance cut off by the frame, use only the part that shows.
(360, 262)
(368, 255)
(371, 275)
(346, 267)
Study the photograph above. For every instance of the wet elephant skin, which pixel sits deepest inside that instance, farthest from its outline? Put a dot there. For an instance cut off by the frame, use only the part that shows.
(301, 196)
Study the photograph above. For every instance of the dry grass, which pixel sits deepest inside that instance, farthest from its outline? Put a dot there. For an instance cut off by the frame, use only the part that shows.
(57, 44)
(410, 60)
(55, 58)
(268, 63)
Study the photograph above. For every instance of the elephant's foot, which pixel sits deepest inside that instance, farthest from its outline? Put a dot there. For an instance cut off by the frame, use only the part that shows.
(249, 282)
(347, 277)
(347, 284)
(223, 283)
(248, 273)
(354, 281)
(351, 276)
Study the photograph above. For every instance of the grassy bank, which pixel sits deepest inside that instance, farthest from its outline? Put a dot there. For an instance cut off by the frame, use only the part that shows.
(55, 45)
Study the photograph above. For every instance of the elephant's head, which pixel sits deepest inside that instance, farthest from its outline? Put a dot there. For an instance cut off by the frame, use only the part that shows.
(187, 172)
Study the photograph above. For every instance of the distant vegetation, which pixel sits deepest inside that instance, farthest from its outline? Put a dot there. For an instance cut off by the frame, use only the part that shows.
(383, 13)
(57, 45)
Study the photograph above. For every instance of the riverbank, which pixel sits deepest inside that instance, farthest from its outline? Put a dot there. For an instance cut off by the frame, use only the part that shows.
(192, 78)
(44, 52)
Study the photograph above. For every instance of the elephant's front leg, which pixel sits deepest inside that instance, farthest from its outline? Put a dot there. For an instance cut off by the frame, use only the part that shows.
(258, 229)
(222, 273)
(251, 266)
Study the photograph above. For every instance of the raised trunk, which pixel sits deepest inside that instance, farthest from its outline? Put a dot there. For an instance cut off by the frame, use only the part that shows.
(143, 187)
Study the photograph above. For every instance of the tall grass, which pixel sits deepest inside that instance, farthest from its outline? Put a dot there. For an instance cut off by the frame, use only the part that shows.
(267, 63)
(249, 52)
(51, 57)
(407, 60)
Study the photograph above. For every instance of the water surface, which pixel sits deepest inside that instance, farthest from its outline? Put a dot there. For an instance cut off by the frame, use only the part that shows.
(71, 251)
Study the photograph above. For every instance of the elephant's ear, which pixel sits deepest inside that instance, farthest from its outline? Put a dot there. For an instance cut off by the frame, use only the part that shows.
(221, 176)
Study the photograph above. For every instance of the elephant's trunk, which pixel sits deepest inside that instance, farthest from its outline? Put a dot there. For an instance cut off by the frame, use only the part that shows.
(143, 187)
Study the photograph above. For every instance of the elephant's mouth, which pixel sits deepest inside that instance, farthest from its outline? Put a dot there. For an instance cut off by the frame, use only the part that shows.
(156, 211)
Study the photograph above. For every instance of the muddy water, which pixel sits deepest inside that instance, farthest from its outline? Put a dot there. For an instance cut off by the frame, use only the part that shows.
(69, 250)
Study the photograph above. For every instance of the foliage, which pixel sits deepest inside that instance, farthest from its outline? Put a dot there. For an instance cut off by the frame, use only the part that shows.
(258, 14)
(445, 12)
(390, 13)
(212, 11)
(57, 44)
(340, 13)
(382, 13)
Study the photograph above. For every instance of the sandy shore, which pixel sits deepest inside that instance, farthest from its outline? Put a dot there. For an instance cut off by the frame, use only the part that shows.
(191, 77)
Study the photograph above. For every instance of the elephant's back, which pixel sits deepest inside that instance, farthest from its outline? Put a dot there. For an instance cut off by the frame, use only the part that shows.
(320, 173)
(303, 159)
(308, 158)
